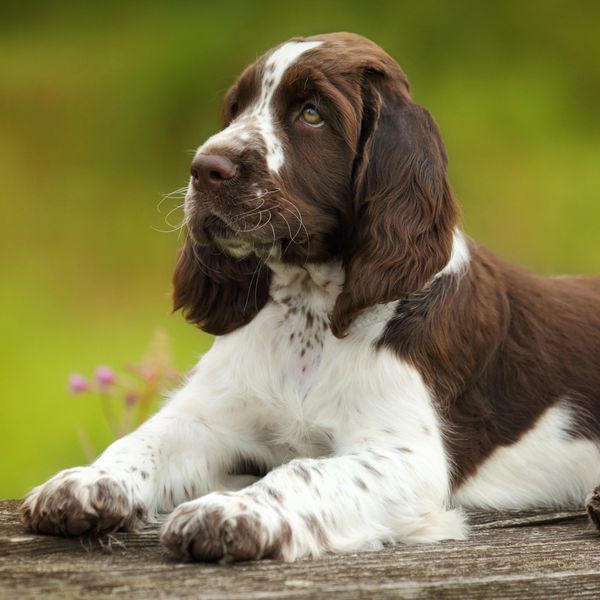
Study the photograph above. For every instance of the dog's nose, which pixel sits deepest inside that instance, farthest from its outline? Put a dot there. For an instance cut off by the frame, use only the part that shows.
(209, 171)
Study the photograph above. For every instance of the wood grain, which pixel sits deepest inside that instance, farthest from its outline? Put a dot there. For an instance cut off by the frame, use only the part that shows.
(534, 554)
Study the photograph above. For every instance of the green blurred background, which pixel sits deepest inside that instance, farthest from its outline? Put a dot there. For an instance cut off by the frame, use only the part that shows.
(100, 104)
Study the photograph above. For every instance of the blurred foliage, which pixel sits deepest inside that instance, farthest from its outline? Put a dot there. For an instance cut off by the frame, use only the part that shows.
(129, 397)
(100, 104)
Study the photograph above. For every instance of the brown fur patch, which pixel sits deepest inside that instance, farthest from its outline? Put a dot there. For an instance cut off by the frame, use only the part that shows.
(498, 347)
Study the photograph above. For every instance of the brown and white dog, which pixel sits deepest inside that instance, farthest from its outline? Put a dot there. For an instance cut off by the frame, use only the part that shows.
(375, 367)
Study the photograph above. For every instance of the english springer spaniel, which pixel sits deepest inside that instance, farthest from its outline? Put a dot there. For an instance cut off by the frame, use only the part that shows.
(374, 369)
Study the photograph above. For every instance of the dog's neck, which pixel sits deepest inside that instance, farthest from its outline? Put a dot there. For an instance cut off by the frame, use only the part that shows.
(316, 285)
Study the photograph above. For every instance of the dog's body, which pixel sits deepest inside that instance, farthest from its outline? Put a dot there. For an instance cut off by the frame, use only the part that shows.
(380, 368)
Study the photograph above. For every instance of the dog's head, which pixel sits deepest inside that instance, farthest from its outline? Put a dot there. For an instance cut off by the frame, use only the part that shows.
(323, 156)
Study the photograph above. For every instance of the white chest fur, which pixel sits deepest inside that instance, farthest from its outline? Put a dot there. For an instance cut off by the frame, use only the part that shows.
(311, 389)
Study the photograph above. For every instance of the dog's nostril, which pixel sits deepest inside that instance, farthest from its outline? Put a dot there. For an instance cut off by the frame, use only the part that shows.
(211, 170)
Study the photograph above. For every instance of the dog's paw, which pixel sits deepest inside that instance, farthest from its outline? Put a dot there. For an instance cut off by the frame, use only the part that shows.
(79, 501)
(227, 527)
(592, 505)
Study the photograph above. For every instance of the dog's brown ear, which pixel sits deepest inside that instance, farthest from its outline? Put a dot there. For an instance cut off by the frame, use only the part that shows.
(404, 210)
(217, 292)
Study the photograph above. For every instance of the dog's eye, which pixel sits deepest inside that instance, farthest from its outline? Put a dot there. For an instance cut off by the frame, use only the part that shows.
(310, 115)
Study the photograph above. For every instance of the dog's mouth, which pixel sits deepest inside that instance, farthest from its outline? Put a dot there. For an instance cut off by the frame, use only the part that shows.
(241, 248)
(220, 231)
(218, 227)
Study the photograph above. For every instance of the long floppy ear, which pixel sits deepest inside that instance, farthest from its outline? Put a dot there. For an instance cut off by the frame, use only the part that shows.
(404, 210)
(217, 292)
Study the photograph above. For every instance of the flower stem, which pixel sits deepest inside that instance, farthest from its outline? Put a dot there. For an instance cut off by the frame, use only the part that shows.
(108, 413)
(86, 444)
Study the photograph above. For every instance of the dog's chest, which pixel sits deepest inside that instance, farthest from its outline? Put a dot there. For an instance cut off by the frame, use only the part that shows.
(302, 301)
(300, 341)
(310, 383)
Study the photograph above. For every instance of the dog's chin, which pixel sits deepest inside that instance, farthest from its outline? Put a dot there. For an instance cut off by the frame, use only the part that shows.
(240, 248)
(215, 231)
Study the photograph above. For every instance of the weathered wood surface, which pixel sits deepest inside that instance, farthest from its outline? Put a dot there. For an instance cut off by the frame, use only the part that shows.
(535, 554)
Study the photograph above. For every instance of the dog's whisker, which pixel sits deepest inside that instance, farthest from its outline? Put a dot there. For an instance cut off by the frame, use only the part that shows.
(298, 215)
(179, 228)
(179, 193)
(300, 224)
(286, 222)
(172, 226)
(166, 219)
(249, 212)
(260, 225)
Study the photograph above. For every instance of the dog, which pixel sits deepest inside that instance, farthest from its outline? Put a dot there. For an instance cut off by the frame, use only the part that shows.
(374, 370)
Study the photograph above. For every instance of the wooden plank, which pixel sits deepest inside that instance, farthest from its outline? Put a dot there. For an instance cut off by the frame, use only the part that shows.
(509, 555)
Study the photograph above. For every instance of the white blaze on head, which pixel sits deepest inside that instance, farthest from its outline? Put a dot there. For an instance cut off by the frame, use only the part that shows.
(275, 67)
(259, 118)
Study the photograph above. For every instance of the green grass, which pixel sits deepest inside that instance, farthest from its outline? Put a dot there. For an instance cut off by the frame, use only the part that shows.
(99, 106)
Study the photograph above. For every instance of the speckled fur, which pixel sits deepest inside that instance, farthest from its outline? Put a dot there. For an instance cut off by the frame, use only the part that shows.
(291, 409)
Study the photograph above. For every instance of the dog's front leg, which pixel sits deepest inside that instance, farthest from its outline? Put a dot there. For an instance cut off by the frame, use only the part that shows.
(311, 506)
(180, 453)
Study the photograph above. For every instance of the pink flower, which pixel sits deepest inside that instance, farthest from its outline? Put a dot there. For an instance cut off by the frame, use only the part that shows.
(78, 383)
(105, 377)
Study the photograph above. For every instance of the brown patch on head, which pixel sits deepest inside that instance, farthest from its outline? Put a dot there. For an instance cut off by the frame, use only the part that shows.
(367, 187)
